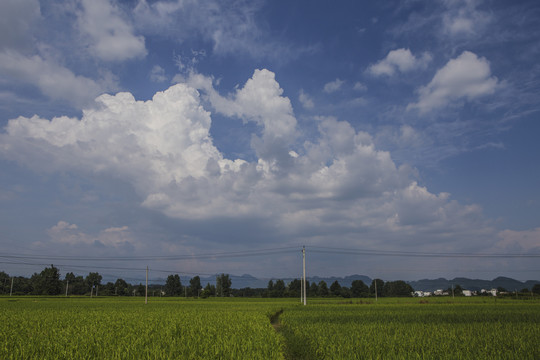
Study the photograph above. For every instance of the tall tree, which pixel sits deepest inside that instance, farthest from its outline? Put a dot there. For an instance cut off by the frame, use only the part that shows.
(195, 285)
(313, 289)
(335, 288)
(359, 289)
(122, 288)
(173, 286)
(141, 290)
(294, 288)
(323, 288)
(209, 290)
(93, 279)
(279, 288)
(223, 285)
(5, 283)
(77, 285)
(47, 282)
(379, 286)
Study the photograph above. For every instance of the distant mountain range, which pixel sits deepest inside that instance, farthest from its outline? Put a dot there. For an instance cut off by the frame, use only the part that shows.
(246, 280)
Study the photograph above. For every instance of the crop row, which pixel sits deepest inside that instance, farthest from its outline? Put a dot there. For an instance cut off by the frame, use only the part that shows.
(441, 331)
(126, 330)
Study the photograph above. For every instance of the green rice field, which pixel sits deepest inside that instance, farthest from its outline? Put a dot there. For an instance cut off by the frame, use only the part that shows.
(174, 328)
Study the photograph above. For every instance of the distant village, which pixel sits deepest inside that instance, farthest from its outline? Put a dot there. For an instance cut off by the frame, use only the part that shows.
(484, 292)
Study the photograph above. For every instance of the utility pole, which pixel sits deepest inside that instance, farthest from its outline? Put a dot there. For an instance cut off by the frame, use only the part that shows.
(376, 298)
(67, 286)
(146, 291)
(302, 285)
(11, 290)
(97, 288)
(304, 268)
(91, 290)
(453, 291)
(302, 290)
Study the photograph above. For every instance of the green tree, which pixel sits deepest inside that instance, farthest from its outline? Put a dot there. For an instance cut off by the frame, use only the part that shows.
(380, 287)
(270, 289)
(223, 285)
(195, 285)
(93, 279)
(173, 285)
(323, 289)
(294, 288)
(397, 289)
(359, 289)
(141, 290)
(536, 289)
(47, 282)
(313, 289)
(209, 290)
(345, 292)
(122, 288)
(279, 288)
(108, 289)
(76, 284)
(5, 283)
(335, 288)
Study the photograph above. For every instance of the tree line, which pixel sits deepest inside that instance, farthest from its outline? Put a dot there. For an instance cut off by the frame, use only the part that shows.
(358, 289)
(49, 282)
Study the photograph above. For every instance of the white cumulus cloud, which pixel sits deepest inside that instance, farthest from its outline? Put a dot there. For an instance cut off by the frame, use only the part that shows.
(467, 76)
(336, 186)
(52, 79)
(112, 238)
(260, 101)
(401, 60)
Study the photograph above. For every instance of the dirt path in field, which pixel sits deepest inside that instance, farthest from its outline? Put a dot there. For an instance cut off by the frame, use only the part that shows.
(274, 320)
(296, 346)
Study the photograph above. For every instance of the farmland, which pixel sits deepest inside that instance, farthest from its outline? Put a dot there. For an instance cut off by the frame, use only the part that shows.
(67, 328)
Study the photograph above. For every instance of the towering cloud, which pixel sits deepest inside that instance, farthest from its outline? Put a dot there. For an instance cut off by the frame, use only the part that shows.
(338, 184)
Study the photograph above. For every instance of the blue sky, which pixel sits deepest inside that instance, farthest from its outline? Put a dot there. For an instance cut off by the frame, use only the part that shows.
(135, 128)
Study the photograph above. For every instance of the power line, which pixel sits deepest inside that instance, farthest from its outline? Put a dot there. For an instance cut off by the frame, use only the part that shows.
(344, 251)
(247, 253)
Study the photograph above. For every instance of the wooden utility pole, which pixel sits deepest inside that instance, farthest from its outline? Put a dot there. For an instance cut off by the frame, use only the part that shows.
(376, 299)
(304, 271)
(67, 286)
(11, 290)
(146, 292)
